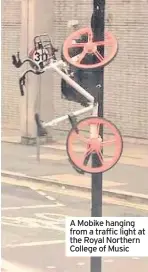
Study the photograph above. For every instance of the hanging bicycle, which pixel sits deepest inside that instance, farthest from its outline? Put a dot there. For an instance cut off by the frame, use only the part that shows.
(84, 138)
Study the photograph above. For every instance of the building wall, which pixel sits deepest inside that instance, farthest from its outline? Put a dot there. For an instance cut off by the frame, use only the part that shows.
(126, 81)
(21, 21)
(65, 11)
(125, 93)
(11, 26)
(36, 20)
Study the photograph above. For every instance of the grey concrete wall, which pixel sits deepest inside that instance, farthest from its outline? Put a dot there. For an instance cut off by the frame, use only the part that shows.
(11, 28)
(39, 91)
(44, 24)
(126, 80)
(65, 11)
(126, 96)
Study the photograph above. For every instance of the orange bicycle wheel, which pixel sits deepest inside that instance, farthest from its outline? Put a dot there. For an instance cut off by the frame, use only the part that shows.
(82, 157)
(90, 47)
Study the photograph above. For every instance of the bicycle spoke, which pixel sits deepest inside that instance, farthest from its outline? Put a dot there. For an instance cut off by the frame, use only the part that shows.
(98, 128)
(90, 36)
(100, 156)
(109, 142)
(103, 43)
(87, 156)
(82, 138)
(81, 57)
(99, 56)
(88, 152)
(75, 45)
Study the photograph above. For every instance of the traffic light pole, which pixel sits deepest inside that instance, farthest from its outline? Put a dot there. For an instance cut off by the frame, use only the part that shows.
(97, 25)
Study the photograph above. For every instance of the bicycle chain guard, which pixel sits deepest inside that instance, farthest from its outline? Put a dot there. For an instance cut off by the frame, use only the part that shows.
(94, 145)
(89, 48)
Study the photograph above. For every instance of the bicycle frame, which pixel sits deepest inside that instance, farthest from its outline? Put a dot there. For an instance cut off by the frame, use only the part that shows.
(57, 66)
(94, 144)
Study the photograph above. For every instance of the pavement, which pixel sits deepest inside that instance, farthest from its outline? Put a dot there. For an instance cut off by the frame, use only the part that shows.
(38, 194)
(33, 237)
(128, 179)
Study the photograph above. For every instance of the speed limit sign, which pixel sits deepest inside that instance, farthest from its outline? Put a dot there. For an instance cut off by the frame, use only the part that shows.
(40, 56)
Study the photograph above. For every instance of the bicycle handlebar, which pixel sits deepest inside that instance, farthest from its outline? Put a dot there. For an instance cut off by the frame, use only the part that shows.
(22, 84)
(16, 61)
(23, 78)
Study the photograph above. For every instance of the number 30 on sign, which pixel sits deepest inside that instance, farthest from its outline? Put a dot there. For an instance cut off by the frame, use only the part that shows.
(40, 55)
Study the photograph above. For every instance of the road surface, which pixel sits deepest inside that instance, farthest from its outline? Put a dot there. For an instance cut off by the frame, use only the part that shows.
(33, 229)
(129, 174)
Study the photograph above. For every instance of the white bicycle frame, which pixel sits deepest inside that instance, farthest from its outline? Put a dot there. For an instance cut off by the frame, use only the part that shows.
(58, 66)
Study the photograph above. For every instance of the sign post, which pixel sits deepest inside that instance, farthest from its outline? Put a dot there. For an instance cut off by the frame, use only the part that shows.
(97, 24)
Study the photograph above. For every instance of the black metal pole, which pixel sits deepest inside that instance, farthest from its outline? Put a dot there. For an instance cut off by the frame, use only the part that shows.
(97, 24)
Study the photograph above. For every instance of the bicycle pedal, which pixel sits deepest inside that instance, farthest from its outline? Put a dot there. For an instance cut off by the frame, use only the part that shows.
(73, 121)
(41, 131)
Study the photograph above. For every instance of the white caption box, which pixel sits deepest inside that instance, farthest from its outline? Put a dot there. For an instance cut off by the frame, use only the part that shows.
(107, 236)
